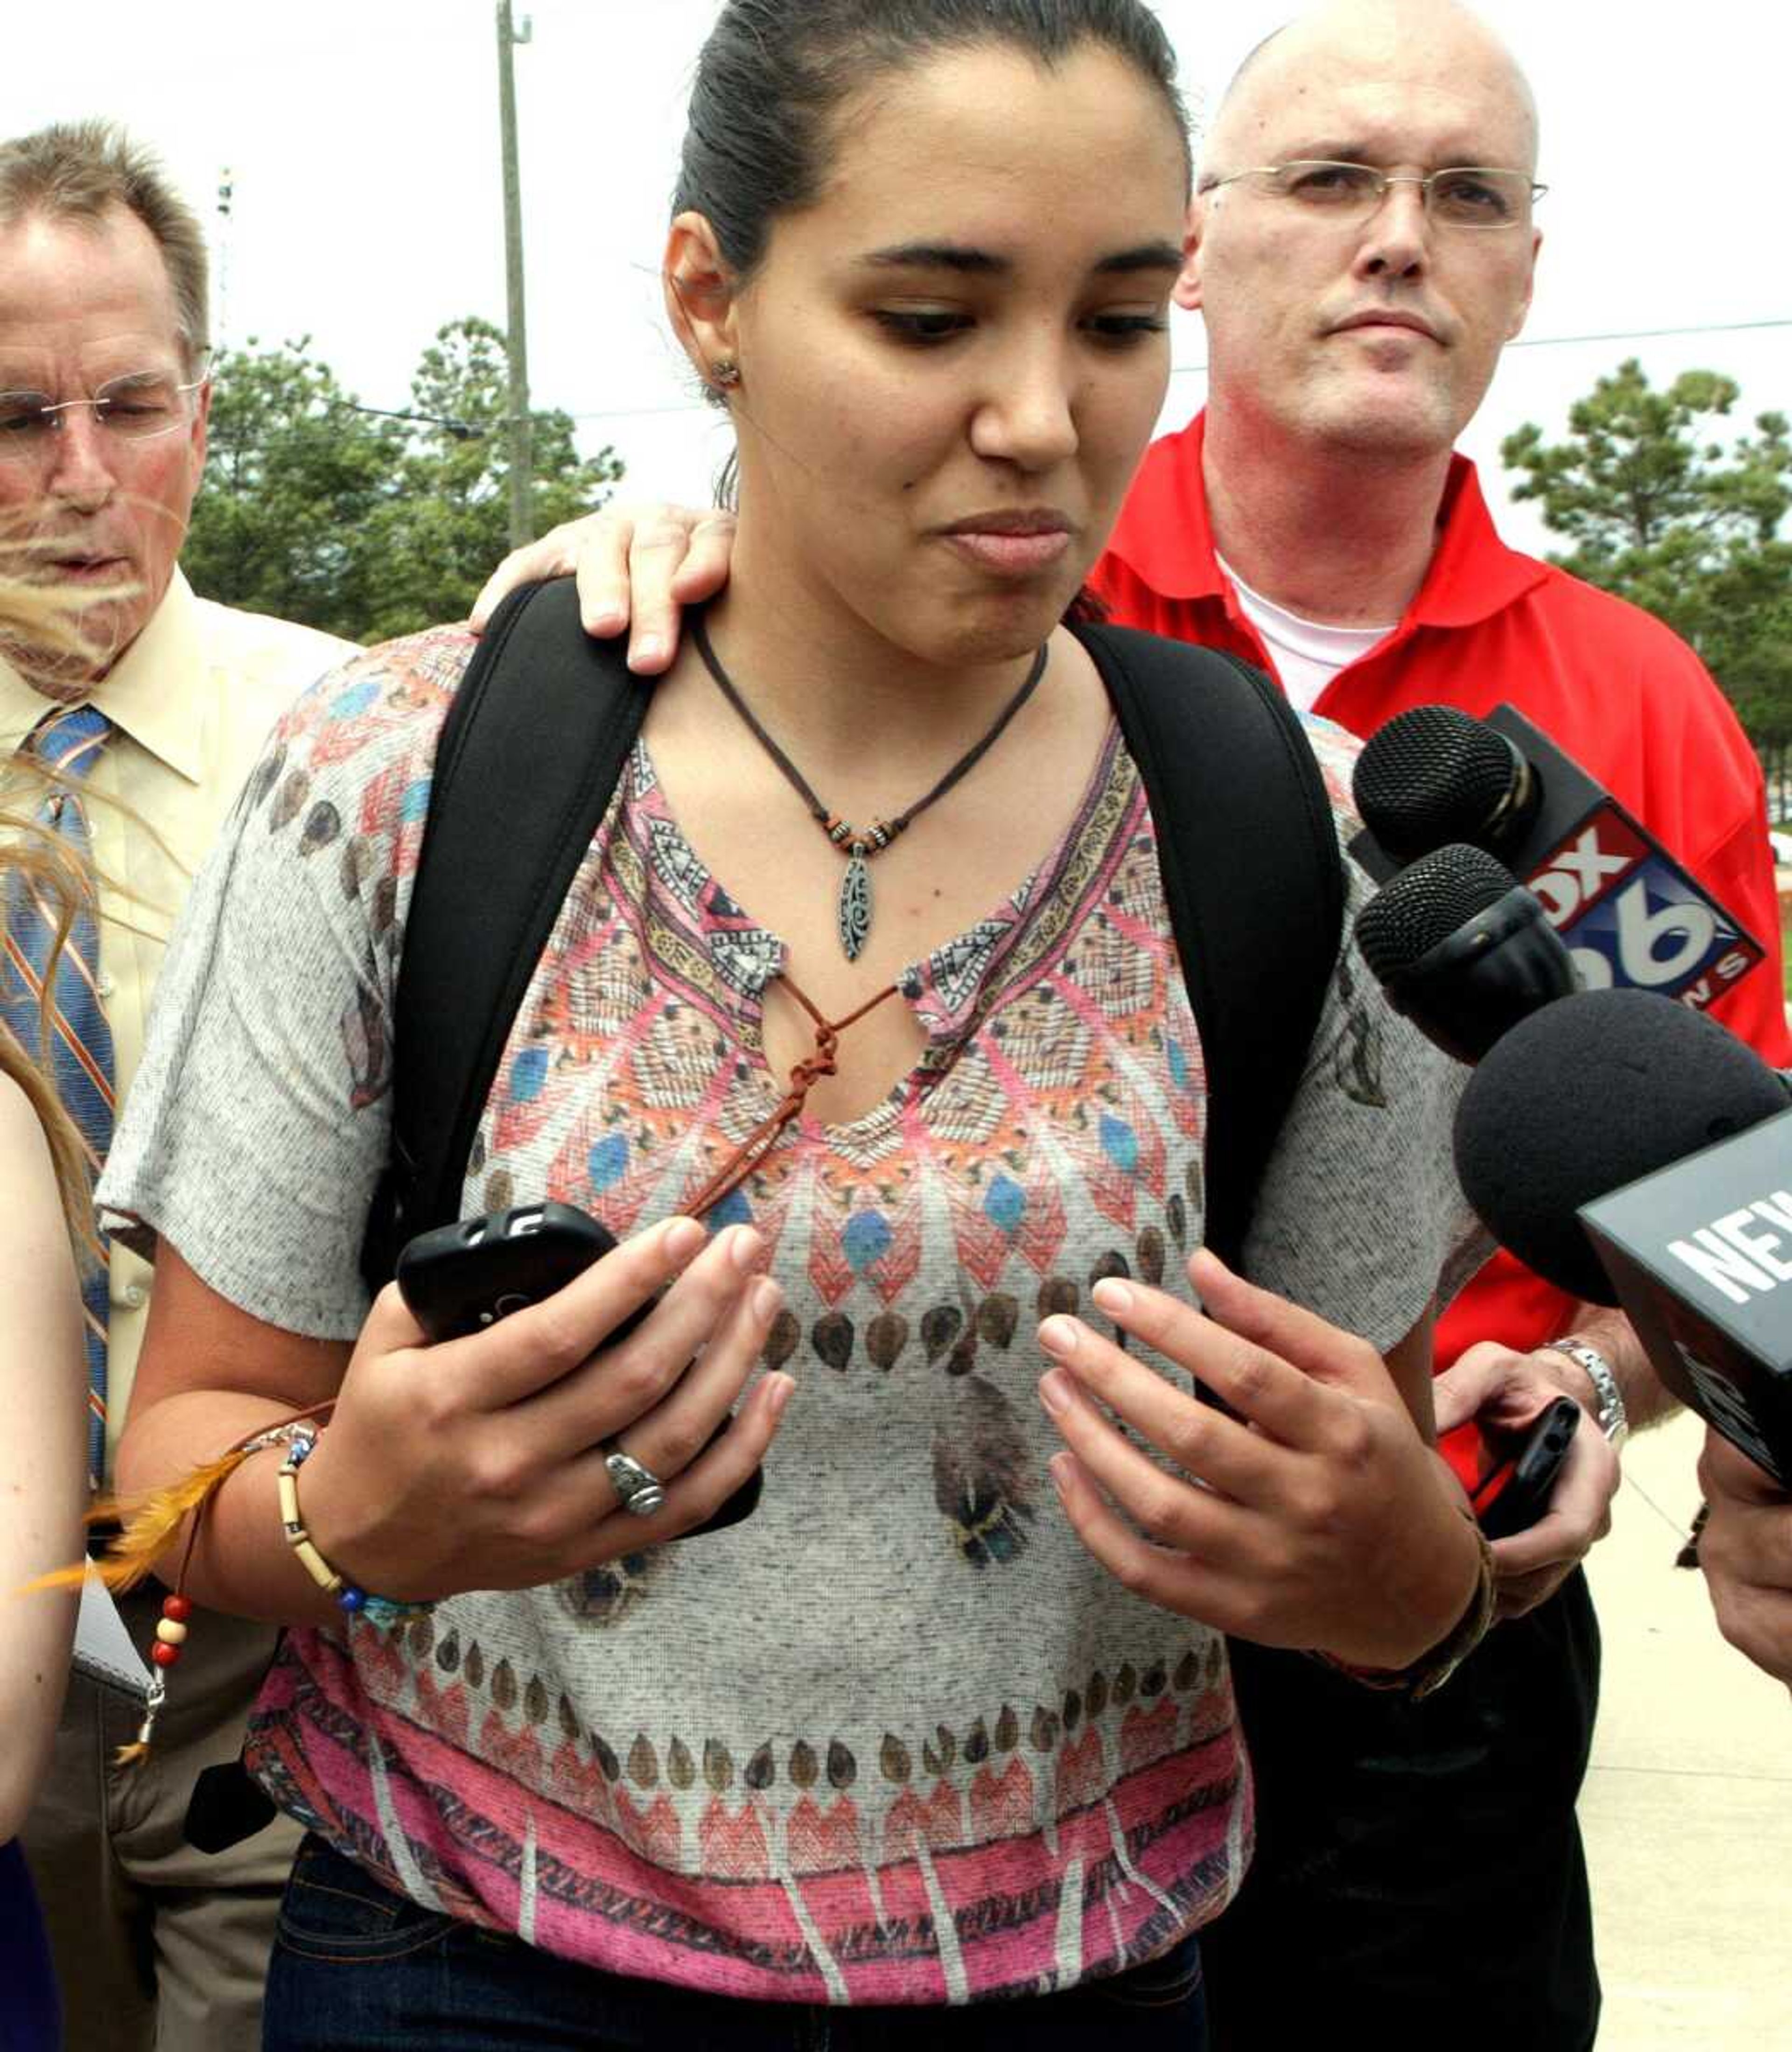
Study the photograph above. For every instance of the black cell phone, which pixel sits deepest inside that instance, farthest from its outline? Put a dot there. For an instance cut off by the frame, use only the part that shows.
(463, 1278)
(1514, 1494)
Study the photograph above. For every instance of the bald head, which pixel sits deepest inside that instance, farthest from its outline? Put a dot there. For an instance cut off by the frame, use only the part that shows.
(1428, 51)
(1371, 331)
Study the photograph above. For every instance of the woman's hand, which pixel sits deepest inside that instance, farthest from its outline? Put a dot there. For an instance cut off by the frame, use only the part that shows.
(638, 566)
(1321, 1519)
(478, 1463)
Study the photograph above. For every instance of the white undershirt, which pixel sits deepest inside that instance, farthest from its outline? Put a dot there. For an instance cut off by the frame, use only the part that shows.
(1307, 654)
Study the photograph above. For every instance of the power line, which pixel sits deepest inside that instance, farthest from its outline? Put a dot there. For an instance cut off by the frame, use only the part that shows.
(460, 431)
(1176, 370)
(643, 413)
(1644, 334)
(1192, 369)
(1571, 340)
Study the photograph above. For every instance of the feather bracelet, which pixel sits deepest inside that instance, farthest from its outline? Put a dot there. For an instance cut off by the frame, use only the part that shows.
(149, 1524)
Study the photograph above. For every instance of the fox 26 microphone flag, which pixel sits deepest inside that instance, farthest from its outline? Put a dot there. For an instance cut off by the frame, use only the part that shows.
(1633, 918)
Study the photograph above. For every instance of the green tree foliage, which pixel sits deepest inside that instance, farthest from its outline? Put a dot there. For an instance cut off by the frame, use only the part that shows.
(362, 524)
(1668, 506)
(293, 475)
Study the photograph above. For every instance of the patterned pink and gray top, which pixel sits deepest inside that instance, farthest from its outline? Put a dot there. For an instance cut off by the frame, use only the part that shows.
(897, 1737)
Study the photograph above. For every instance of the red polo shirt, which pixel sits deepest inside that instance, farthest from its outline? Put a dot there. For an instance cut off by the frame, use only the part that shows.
(1622, 694)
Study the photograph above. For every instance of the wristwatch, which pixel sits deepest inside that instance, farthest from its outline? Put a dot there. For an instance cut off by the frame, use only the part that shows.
(1609, 1413)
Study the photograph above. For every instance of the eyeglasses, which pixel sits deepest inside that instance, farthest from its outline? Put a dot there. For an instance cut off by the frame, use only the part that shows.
(1463, 195)
(135, 408)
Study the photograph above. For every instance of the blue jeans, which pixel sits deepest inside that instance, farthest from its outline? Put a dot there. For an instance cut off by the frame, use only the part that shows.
(29, 2021)
(358, 1969)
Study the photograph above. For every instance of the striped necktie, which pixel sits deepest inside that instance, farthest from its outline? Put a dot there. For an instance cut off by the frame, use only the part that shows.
(79, 1055)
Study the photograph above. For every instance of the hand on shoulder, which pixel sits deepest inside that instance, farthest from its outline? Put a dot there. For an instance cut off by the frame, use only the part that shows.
(638, 566)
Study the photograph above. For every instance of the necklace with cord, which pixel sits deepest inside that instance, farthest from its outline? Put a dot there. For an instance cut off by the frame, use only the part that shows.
(860, 844)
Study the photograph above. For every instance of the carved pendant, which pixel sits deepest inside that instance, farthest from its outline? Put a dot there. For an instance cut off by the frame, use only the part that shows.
(855, 904)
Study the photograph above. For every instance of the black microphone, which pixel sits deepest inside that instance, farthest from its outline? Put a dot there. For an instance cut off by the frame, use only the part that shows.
(1633, 1152)
(1435, 774)
(1462, 949)
(1632, 916)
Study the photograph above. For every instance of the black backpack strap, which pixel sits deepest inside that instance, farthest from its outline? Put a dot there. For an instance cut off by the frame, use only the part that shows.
(527, 762)
(1249, 854)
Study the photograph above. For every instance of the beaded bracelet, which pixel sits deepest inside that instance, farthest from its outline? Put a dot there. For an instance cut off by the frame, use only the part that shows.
(1433, 1668)
(176, 1609)
(147, 1526)
(381, 1611)
(149, 1523)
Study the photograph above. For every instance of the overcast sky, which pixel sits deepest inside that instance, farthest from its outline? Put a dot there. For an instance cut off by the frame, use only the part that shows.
(362, 144)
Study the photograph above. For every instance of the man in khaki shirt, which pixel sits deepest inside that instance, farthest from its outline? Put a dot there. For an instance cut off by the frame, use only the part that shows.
(103, 328)
(192, 699)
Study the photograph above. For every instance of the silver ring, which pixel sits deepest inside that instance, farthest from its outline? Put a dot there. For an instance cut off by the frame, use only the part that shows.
(640, 1490)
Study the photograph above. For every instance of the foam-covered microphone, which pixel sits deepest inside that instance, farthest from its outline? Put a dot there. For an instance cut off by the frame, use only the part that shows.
(1632, 916)
(1633, 1152)
(1462, 949)
(1435, 774)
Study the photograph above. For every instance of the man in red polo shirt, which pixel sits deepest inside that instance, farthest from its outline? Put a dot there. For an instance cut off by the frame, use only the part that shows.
(1420, 1862)
(1316, 521)
(1619, 692)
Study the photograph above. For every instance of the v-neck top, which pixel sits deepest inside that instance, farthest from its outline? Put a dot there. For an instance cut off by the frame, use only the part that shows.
(897, 1737)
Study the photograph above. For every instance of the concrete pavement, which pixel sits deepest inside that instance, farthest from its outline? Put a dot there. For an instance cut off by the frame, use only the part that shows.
(1688, 1807)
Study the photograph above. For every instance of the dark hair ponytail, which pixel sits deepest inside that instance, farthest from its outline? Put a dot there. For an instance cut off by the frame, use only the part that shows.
(774, 72)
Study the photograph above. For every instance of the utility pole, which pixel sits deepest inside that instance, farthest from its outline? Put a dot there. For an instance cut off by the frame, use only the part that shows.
(226, 235)
(522, 462)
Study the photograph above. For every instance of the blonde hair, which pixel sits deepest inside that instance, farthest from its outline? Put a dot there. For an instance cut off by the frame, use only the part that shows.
(37, 615)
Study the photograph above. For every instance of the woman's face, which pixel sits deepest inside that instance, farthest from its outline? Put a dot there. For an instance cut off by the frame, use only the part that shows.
(952, 362)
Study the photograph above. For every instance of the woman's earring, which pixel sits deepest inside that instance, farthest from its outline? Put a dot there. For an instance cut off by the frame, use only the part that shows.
(726, 372)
